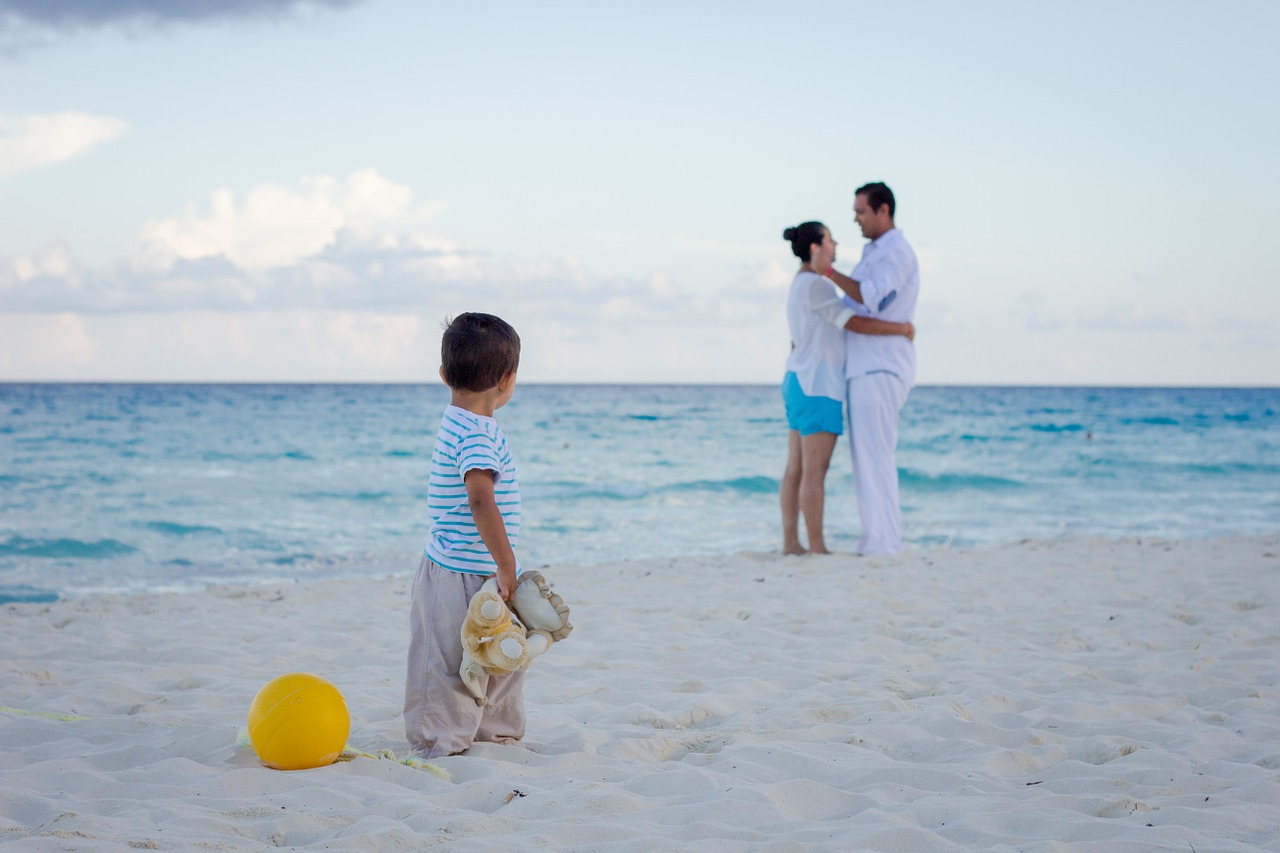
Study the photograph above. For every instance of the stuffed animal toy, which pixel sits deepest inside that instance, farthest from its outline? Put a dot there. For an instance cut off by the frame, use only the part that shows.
(496, 640)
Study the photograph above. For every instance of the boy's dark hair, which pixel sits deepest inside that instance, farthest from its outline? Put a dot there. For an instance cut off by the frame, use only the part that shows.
(477, 350)
(878, 195)
(802, 237)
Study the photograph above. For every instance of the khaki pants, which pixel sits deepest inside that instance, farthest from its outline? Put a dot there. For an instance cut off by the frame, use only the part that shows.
(440, 716)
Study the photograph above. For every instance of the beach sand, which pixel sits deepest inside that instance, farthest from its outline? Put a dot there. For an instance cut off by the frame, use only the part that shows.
(1076, 694)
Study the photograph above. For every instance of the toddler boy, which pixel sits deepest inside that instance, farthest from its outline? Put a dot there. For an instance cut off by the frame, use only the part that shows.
(474, 503)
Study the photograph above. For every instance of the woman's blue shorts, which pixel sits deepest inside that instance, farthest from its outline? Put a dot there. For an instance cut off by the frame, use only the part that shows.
(808, 414)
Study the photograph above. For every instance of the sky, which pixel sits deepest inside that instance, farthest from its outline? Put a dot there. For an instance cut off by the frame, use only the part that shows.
(273, 190)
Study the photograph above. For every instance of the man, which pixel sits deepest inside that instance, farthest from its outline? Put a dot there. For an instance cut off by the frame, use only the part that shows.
(879, 371)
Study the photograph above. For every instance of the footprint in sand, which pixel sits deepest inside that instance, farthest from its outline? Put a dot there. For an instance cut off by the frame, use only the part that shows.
(1124, 807)
(1101, 753)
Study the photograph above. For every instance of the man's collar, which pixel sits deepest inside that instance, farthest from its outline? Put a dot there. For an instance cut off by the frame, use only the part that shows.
(893, 230)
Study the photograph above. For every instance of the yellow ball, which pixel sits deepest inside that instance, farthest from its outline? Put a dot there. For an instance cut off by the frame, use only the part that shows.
(298, 721)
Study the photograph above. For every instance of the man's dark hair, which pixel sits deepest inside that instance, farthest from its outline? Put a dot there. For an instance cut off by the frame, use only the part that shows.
(477, 350)
(802, 237)
(878, 195)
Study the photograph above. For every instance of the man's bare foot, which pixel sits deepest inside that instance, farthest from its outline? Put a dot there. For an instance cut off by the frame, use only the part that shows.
(793, 550)
(819, 550)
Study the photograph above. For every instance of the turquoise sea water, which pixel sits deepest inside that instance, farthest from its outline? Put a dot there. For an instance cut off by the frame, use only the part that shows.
(153, 487)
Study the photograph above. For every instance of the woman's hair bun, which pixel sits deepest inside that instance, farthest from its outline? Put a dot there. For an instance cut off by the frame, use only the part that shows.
(803, 236)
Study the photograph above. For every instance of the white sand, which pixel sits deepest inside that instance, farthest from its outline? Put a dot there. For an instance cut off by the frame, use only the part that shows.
(1043, 696)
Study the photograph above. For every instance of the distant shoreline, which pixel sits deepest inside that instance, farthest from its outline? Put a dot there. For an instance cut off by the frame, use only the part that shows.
(1071, 541)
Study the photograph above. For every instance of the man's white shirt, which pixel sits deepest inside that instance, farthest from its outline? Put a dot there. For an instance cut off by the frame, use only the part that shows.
(888, 276)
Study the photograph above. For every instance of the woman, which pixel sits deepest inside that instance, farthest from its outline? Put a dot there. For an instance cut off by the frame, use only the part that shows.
(813, 387)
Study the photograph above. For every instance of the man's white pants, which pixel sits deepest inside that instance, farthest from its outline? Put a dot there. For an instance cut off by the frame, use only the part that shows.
(875, 399)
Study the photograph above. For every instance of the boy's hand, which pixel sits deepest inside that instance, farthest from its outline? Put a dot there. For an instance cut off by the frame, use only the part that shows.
(506, 583)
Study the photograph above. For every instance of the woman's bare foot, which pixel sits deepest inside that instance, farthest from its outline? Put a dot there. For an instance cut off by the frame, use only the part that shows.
(793, 550)
(821, 549)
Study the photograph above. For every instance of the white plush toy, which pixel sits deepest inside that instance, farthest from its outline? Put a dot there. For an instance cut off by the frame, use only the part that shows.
(496, 640)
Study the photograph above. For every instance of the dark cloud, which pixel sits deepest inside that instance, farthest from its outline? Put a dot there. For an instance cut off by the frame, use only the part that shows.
(27, 21)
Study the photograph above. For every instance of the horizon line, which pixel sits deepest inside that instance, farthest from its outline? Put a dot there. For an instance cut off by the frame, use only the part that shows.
(625, 383)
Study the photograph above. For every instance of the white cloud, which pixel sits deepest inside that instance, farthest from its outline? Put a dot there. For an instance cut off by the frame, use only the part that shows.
(934, 315)
(381, 346)
(1135, 316)
(28, 142)
(355, 247)
(54, 261)
(759, 283)
(46, 346)
(769, 279)
(369, 200)
(276, 226)
(932, 263)
(1037, 312)
(337, 280)
(331, 280)
(1132, 316)
(377, 340)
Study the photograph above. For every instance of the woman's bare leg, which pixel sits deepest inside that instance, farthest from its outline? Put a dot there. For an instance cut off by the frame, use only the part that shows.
(789, 495)
(815, 458)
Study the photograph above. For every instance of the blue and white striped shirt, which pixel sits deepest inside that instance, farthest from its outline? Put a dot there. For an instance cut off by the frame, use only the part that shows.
(467, 441)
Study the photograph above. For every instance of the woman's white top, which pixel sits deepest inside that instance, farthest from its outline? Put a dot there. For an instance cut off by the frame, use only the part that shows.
(816, 317)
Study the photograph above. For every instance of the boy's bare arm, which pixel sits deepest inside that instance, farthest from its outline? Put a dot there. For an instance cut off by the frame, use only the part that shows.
(872, 326)
(488, 518)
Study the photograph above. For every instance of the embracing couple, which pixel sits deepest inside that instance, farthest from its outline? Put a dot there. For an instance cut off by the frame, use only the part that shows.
(855, 349)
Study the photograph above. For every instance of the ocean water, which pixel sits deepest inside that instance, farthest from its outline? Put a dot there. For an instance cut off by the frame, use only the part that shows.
(123, 488)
